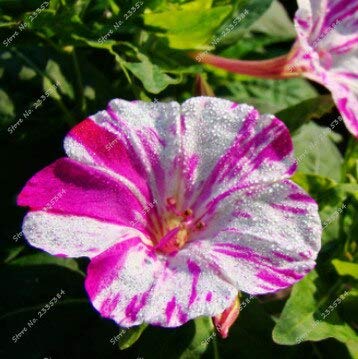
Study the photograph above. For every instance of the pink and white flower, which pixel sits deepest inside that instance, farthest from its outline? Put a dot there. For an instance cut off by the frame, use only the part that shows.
(226, 216)
(325, 51)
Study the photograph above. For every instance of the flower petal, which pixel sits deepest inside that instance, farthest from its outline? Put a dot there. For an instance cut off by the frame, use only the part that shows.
(176, 148)
(91, 143)
(69, 187)
(150, 134)
(268, 242)
(72, 236)
(325, 23)
(131, 284)
(237, 146)
(347, 103)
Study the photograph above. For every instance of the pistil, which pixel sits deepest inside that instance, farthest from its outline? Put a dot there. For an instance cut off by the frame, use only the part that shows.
(179, 225)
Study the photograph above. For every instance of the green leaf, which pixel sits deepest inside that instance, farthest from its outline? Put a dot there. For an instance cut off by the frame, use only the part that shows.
(254, 45)
(27, 73)
(9, 252)
(269, 96)
(154, 78)
(194, 349)
(316, 185)
(80, 7)
(54, 4)
(301, 318)
(189, 25)
(316, 151)
(44, 258)
(350, 228)
(275, 22)
(350, 167)
(198, 344)
(313, 108)
(247, 11)
(7, 109)
(188, 341)
(130, 336)
(346, 268)
(54, 72)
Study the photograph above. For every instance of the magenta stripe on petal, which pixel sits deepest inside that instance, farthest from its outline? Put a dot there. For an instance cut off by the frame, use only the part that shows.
(170, 309)
(303, 23)
(241, 152)
(136, 305)
(182, 316)
(272, 279)
(256, 259)
(284, 256)
(99, 273)
(109, 151)
(194, 269)
(287, 273)
(241, 214)
(345, 47)
(301, 197)
(350, 75)
(289, 209)
(109, 305)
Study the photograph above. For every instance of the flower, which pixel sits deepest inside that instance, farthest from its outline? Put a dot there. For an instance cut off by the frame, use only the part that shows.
(325, 51)
(226, 216)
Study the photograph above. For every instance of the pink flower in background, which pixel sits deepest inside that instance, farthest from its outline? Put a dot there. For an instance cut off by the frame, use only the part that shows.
(188, 205)
(325, 51)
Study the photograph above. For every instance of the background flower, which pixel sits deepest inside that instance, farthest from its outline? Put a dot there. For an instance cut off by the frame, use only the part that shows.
(326, 51)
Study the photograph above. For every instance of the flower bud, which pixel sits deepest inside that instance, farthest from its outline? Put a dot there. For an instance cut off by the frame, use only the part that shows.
(226, 319)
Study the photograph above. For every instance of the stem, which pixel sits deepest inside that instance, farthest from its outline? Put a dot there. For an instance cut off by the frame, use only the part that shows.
(275, 68)
(216, 349)
(121, 64)
(201, 87)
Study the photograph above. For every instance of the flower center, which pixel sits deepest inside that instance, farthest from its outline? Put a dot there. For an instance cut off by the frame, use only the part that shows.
(178, 227)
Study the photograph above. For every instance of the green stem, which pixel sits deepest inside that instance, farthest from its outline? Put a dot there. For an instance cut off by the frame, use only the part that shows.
(121, 63)
(215, 344)
(216, 349)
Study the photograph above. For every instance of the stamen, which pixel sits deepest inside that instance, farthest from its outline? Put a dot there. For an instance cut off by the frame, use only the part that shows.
(188, 212)
(200, 225)
(178, 227)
